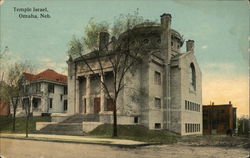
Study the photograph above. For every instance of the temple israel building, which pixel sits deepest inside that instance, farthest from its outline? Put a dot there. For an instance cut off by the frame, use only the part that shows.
(170, 81)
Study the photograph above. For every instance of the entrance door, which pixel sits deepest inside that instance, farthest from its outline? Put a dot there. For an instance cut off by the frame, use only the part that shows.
(85, 106)
(97, 105)
(81, 107)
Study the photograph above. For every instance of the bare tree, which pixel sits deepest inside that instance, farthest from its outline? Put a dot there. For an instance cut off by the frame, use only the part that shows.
(15, 82)
(26, 103)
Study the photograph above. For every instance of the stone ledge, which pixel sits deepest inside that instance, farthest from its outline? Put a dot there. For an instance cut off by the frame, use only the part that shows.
(90, 126)
(40, 125)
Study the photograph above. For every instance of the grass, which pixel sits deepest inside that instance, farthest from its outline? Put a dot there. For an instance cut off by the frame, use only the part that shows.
(136, 132)
(6, 124)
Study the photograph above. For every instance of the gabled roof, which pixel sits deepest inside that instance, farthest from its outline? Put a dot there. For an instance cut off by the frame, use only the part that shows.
(48, 75)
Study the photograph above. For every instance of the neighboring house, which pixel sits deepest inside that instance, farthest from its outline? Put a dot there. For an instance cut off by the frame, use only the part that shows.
(219, 119)
(47, 92)
(169, 78)
(4, 104)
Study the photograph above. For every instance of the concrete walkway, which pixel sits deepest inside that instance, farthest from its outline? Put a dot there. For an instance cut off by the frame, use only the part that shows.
(76, 139)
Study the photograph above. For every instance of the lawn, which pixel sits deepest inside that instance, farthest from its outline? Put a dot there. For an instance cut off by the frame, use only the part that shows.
(136, 132)
(6, 123)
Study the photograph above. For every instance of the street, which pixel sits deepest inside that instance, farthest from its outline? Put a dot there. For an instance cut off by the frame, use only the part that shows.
(13, 148)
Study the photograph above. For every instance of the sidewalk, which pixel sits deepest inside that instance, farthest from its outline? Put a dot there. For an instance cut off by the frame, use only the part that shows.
(76, 139)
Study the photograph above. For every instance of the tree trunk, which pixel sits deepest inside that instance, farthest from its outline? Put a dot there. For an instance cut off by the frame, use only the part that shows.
(27, 125)
(14, 122)
(115, 121)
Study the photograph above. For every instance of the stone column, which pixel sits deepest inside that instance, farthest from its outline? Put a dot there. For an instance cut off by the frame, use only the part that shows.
(31, 104)
(77, 96)
(102, 94)
(88, 94)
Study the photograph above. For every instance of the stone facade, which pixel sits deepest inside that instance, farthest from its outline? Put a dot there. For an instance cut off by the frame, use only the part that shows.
(163, 92)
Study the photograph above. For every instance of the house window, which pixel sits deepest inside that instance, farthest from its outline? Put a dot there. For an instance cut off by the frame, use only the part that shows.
(158, 103)
(61, 96)
(38, 87)
(192, 77)
(157, 126)
(65, 105)
(51, 88)
(145, 41)
(136, 120)
(65, 90)
(186, 105)
(157, 78)
(50, 103)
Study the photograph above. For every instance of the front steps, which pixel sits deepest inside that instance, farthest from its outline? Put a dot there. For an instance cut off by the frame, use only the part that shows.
(70, 126)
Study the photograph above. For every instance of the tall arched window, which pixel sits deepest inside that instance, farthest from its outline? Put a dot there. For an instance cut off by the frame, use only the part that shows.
(192, 77)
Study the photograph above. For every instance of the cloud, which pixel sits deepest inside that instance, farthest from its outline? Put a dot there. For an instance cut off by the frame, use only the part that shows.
(204, 47)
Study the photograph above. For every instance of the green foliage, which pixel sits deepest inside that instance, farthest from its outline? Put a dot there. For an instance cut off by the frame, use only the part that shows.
(76, 46)
(6, 123)
(136, 132)
(4, 90)
(92, 32)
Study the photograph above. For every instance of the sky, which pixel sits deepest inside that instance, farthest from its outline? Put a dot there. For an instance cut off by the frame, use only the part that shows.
(220, 30)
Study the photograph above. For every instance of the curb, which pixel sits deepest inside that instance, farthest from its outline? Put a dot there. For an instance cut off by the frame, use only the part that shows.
(80, 142)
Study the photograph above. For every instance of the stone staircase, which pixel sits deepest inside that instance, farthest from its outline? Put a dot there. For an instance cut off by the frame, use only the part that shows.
(70, 126)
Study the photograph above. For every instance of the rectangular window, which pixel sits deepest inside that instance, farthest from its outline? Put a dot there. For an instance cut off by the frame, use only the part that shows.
(51, 88)
(61, 96)
(136, 120)
(38, 87)
(158, 103)
(50, 103)
(65, 105)
(65, 90)
(185, 105)
(157, 78)
(157, 126)
(186, 130)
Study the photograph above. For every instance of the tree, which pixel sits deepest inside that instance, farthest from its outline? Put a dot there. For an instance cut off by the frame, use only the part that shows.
(15, 82)
(25, 93)
(123, 58)
(244, 126)
(2, 59)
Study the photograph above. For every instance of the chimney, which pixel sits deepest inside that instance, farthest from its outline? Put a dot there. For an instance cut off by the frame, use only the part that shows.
(103, 40)
(190, 45)
(166, 20)
(230, 102)
(166, 36)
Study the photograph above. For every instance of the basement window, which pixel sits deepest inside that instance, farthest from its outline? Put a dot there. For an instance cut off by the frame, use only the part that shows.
(136, 120)
(50, 103)
(157, 126)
